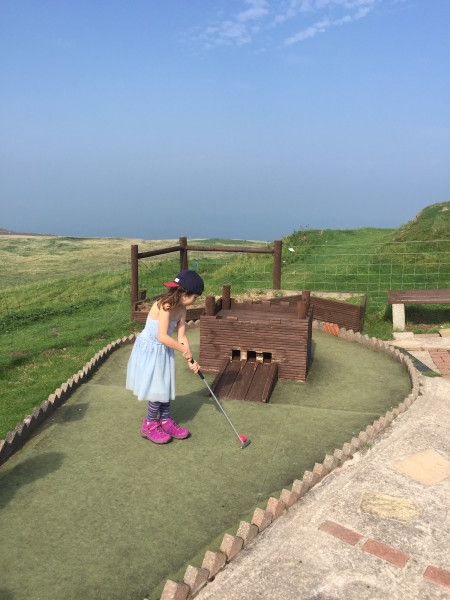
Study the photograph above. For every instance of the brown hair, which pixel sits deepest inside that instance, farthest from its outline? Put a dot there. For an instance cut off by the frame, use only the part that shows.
(172, 298)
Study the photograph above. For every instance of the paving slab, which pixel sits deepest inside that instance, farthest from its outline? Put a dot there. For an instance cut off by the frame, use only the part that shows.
(388, 507)
(427, 467)
(328, 547)
(441, 358)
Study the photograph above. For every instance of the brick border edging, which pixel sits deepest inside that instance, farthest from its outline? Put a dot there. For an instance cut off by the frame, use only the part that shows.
(394, 556)
(196, 578)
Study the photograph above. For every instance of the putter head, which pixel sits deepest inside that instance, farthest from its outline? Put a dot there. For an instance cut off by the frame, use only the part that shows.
(245, 444)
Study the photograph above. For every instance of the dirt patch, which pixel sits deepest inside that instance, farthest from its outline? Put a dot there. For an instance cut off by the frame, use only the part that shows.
(95, 338)
(18, 354)
(49, 352)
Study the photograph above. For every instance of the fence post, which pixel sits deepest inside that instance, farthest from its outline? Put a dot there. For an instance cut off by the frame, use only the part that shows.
(210, 306)
(277, 247)
(183, 254)
(134, 276)
(302, 309)
(226, 298)
(362, 312)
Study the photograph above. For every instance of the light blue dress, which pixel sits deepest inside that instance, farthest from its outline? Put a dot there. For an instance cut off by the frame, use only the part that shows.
(151, 366)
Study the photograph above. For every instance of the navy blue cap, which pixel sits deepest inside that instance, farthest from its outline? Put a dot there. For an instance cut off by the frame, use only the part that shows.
(189, 281)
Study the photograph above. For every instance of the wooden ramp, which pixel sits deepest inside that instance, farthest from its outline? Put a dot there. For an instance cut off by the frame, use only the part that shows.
(245, 380)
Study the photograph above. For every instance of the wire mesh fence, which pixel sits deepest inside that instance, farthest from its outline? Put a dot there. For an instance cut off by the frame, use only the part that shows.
(244, 271)
(339, 269)
(328, 269)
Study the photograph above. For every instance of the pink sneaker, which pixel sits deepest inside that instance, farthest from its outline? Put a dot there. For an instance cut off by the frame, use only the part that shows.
(174, 430)
(152, 431)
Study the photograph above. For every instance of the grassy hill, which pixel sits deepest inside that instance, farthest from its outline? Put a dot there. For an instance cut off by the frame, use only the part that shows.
(432, 223)
(320, 242)
(427, 234)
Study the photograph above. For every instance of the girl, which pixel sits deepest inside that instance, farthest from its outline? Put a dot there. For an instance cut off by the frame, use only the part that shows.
(151, 367)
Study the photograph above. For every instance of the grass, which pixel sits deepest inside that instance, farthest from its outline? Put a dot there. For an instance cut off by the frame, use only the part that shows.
(50, 329)
(65, 298)
(27, 259)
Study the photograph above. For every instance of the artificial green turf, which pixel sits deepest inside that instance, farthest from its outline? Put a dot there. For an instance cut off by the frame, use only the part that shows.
(90, 509)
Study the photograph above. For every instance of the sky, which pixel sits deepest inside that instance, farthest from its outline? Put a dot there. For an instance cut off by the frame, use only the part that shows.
(244, 119)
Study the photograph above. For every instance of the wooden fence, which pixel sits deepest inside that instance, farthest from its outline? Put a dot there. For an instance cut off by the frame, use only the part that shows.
(138, 297)
(344, 314)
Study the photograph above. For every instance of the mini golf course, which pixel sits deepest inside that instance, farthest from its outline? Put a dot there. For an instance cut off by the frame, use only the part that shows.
(90, 509)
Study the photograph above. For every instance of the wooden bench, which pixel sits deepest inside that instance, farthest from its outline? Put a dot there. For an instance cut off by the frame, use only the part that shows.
(398, 299)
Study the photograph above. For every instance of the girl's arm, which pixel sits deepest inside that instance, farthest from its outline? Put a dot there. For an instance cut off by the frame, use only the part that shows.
(165, 338)
(181, 333)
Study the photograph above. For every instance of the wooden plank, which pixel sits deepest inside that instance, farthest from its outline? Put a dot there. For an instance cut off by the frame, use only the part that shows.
(194, 313)
(343, 314)
(258, 314)
(282, 326)
(263, 383)
(243, 249)
(419, 296)
(257, 306)
(140, 316)
(243, 381)
(270, 381)
(227, 380)
(158, 252)
(219, 375)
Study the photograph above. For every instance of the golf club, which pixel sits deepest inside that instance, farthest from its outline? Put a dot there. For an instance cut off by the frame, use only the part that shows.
(242, 439)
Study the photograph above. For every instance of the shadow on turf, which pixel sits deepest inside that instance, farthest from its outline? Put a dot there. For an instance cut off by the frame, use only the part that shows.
(313, 349)
(25, 473)
(6, 594)
(74, 412)
(185, 407)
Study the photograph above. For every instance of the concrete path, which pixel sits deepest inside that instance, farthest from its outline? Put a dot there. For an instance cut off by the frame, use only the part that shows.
(377, 528)
(433, 350)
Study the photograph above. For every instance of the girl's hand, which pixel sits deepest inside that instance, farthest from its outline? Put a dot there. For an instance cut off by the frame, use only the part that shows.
(187, 354)
(194, 366)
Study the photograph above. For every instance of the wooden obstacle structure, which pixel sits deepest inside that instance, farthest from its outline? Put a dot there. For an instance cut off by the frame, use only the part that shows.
(251, 344)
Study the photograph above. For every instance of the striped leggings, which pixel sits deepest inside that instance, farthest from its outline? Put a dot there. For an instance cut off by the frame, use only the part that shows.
(162, 407)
